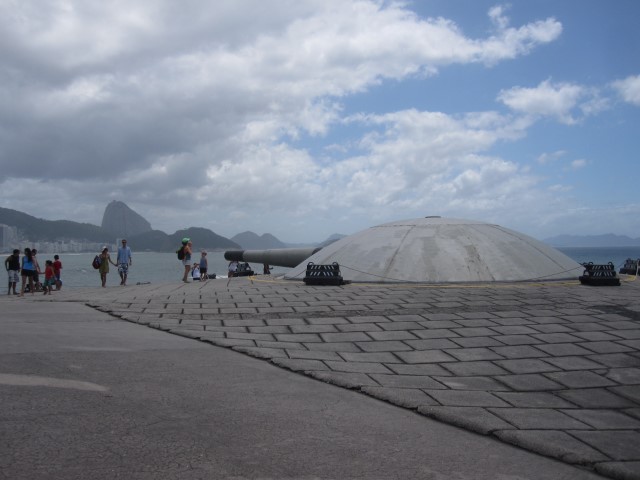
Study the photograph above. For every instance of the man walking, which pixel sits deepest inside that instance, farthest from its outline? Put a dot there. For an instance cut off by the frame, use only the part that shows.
(124, 261)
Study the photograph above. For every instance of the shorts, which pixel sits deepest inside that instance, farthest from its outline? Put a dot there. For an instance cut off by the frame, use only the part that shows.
(14, 276)
(203, 271)
(123, 268)
(28, 273)
(49, 282)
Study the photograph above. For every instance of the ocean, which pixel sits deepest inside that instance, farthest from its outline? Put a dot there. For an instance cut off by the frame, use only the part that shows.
(166, 268)
(599, 255)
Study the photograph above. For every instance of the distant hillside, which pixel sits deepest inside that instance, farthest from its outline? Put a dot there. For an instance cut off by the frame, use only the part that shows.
(608, 240)
(39, 230)
(332, 238)
(202, 238)
(158, 241)
(36, 230)
(155, 241)
(251, 241)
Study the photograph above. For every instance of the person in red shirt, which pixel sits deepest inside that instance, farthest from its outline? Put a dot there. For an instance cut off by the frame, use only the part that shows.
(57, 266)
(49, 277)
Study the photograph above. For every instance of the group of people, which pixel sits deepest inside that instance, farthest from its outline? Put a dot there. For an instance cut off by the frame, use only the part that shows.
(199, 270)
(28, 270)
(123, 261)
(236, 268)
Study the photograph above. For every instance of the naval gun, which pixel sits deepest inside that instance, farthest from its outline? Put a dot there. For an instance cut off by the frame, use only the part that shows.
(279, 257)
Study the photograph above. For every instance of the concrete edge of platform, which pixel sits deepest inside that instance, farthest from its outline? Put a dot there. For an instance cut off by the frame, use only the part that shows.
(549, 443)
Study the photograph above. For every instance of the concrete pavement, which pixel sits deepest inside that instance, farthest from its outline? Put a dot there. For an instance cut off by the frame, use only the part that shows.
(553, 368)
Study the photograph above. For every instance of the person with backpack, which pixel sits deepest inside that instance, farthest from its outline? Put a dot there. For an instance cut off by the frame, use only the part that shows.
(184, 254)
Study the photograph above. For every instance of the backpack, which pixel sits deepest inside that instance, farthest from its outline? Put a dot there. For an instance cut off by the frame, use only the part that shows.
(180, 253)
(96, 262)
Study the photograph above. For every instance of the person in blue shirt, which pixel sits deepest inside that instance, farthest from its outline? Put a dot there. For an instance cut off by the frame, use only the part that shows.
(27, 271)
(124, 260)
(204, 266)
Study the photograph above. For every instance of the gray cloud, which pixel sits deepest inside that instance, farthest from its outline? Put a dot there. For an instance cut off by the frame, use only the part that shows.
(196, 112)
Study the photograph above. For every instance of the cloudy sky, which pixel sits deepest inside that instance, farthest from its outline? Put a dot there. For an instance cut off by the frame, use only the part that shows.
(304, 118)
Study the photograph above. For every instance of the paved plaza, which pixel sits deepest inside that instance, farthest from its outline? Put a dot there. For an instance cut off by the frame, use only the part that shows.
(551, 367)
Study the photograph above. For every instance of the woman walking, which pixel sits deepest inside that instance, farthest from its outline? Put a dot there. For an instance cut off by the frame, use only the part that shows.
(105, 260)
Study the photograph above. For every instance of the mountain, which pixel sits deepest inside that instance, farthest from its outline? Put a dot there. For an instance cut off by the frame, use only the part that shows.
(608, 240)
(155, 241)
(121, 221)
(37, 229)
(251, 241)
(332, 238)
(202, 239)
(158, 241)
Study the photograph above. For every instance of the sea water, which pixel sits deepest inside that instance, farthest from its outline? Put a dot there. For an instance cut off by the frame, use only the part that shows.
(600, 255)
(166, 268)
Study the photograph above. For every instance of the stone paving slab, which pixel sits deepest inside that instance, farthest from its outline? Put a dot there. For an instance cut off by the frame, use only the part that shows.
(551, 367)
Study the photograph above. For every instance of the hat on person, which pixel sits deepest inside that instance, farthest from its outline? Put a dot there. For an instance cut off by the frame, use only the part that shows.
(185, 240)
(104, 248)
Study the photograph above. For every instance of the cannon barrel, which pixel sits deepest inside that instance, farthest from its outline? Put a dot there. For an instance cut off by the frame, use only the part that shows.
(280, 257)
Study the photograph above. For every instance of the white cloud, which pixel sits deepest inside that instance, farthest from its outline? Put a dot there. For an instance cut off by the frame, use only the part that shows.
(201, 114)
(578, 163)
(498, 17)
(629, 89)
(557, 100)
(545, 158)
(131, 85)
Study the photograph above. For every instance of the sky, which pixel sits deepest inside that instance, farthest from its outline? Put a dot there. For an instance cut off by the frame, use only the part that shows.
(305, 118)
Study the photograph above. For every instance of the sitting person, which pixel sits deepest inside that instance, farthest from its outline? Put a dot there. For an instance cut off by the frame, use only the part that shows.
(233, 268)
(195, 272)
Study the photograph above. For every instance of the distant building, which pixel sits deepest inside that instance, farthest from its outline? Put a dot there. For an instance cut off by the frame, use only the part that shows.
(8, 237)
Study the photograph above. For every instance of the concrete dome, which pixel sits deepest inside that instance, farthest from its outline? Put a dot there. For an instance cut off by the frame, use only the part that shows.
(442, 250)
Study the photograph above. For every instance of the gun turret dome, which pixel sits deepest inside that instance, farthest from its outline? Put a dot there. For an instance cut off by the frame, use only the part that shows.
(442, 250)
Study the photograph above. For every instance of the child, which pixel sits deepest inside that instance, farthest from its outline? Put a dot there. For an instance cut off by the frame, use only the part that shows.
(49, 277)
(204, 266)
(57, 266)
